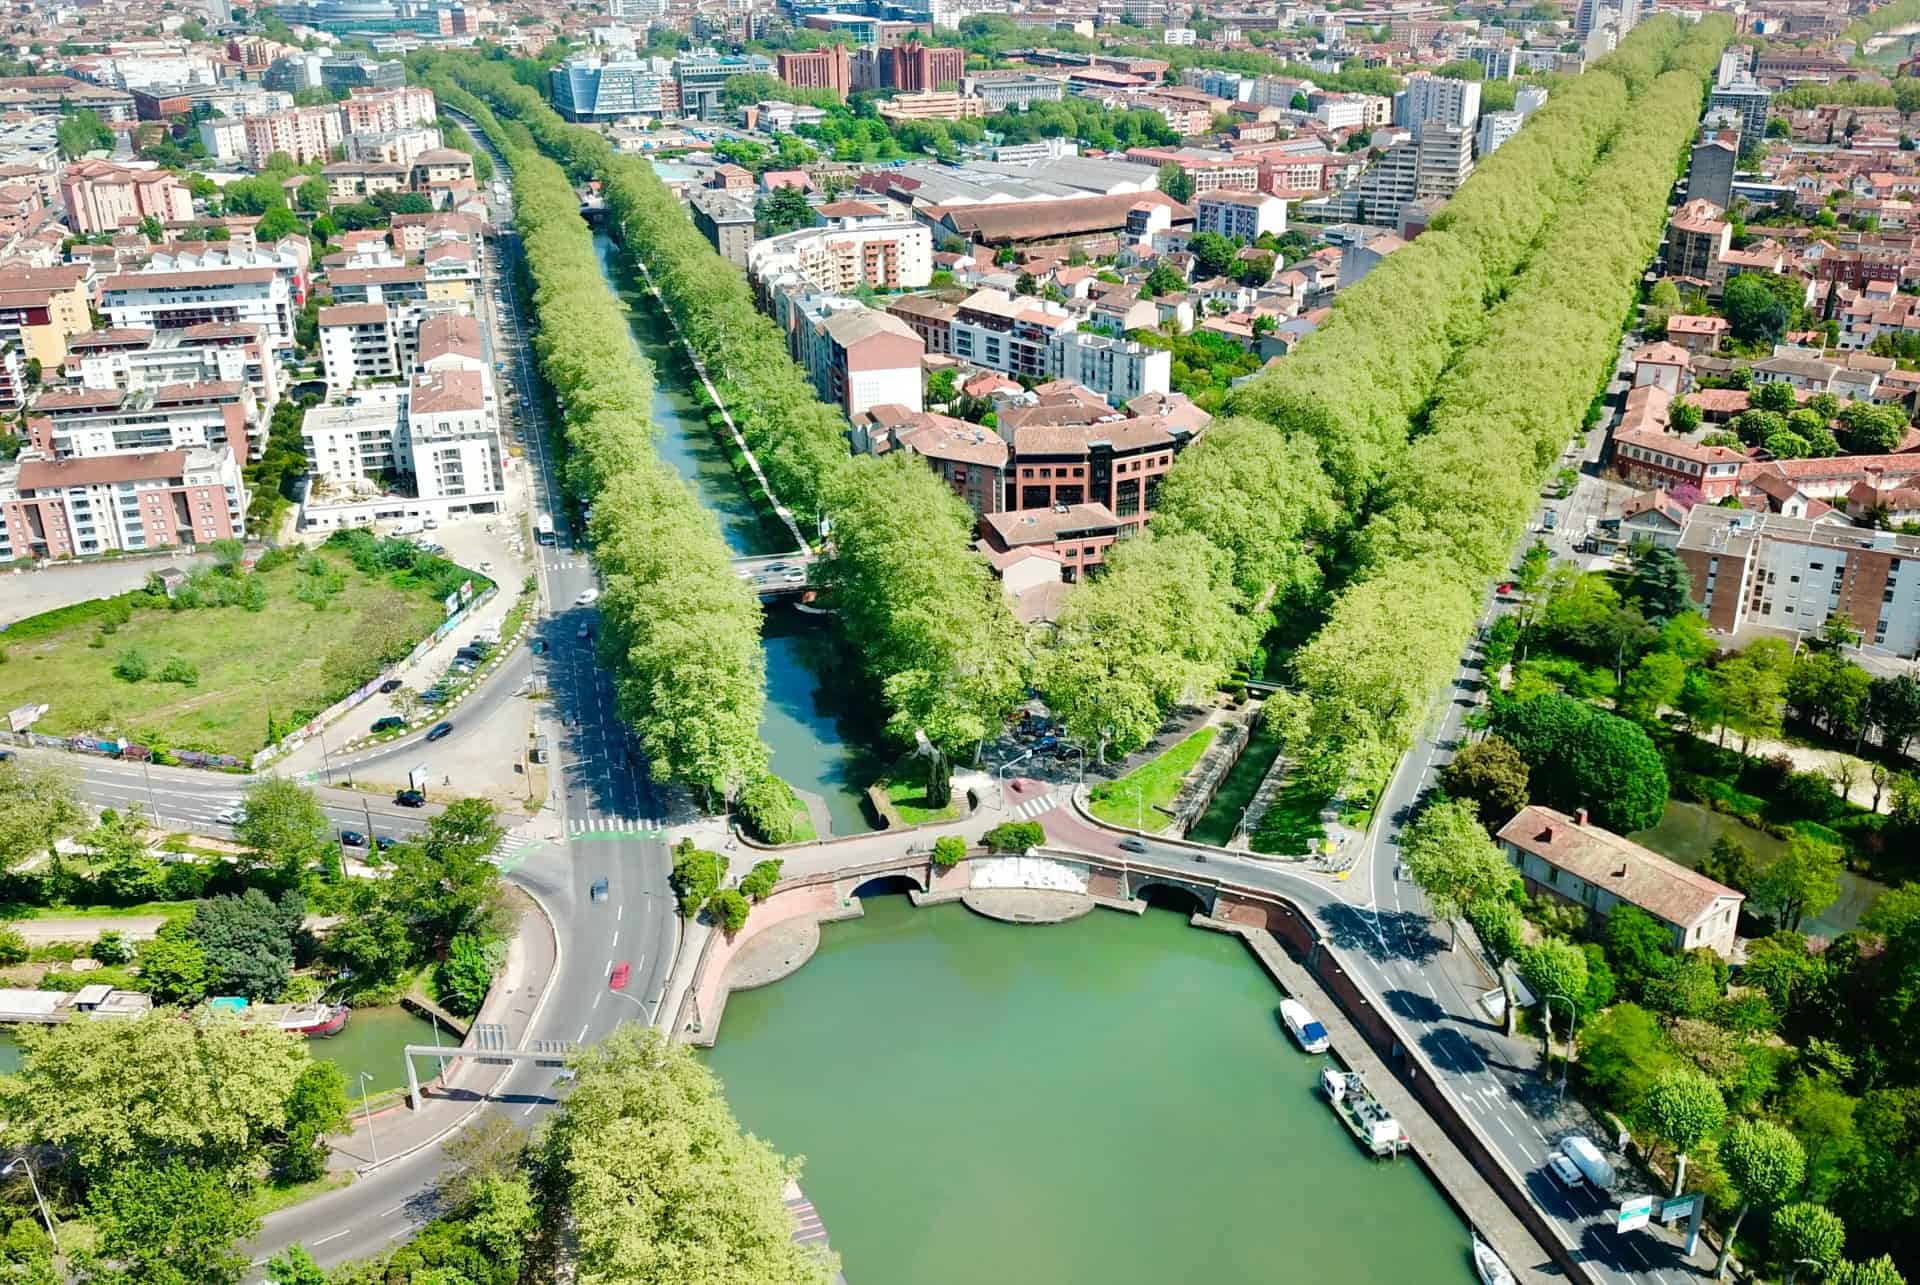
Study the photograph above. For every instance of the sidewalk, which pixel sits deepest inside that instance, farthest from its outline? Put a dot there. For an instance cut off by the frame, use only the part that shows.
(516, 999)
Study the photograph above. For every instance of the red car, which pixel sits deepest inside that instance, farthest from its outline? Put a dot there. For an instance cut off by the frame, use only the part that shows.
(617, 981)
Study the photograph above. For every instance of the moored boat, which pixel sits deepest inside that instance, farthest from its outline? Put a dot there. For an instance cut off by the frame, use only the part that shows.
(1306, 1032)
(1361, 1112)
(1488, 1266)
(314, 1020)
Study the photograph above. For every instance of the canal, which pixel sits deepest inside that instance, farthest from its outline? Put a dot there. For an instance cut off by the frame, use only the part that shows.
(1106, 1101)
(812, 734)
(371, 1042)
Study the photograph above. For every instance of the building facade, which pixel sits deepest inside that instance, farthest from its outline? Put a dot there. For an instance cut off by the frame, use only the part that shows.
(131, 502)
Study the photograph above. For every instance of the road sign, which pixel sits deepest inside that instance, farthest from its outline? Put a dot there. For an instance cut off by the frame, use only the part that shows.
(1675, 1210)
(1635, 1213)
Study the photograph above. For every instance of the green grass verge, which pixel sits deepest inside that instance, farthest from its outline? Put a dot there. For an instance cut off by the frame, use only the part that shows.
(909, 799)
(1157, 780)
(277, 660)
(803, 831)
(272, 1197)
(1222, 817)
(171, 909)
(1291, 821)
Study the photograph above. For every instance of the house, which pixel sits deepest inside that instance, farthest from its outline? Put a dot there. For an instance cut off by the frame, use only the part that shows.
(1580, 863)
(1697, 334)
(1801, 373)
(1077, 534)
(1663, 365)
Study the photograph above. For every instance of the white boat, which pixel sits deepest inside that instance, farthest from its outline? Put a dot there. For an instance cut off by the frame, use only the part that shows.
(1361, 1112)
(1487, 1265)
(1307, 1033)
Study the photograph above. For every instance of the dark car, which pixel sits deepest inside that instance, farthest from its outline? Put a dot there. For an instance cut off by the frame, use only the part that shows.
(382, 842)
(391, 685)
(410, 799)
(539, 646)
(439, 730)
(472, 651)
(353, 839)
(599, 890)
(1132, 844)
(391, 723)
(433, 696)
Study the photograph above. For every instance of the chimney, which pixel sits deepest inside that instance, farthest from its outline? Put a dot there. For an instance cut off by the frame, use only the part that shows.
(1580, 816)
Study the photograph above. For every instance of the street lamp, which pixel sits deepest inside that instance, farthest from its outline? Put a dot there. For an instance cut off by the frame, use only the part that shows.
(1139, 809)
(1080, 777)
(1573, 1023)
(38, 1199)
(368, 1107)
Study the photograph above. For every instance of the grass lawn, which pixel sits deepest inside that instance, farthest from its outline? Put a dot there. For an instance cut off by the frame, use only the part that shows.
(908, 794)
(803, 831)
(1222, 817)
(282, 660)
(171, 909)
(271, 1197)
(1291, 821)
(1158, 781)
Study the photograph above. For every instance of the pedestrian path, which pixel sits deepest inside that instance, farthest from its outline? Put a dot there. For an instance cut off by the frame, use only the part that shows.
(1043, 804)
(615, 828)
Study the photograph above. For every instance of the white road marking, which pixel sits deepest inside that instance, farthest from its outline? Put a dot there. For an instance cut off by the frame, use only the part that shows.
(1504, 1125)
(400, 1231)
(1536, 1131)
(619, 913)
(581, 1038)
(616, 939)
(1430, 990)
(388, 1213)
(336, 1236)
(596, 998)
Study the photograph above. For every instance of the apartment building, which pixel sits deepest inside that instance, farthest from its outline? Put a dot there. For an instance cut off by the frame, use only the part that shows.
(1011, 91)
(1790, 573)
(68, 423)
(99, 196)
(862, 245)
(1117, 464)
(913, 68)
(1010, 334)
(133, 360)
(1239, 215)
(1117, 369)
(726, 220)
(455, 451)
(395, 147)
(826, 68)
(304, 133)
(240, 296)
(1437, 100)
(382, 111)
(56, 508)
(41, 309)
(358, 346)
(423, 449)
(931, 104)
(970, 459)
(590, 88)
(1698, 234)
(1077, 536)
(859, 358)
(1430, 167)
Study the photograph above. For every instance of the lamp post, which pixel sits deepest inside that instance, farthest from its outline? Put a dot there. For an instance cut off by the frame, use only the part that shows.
(38, 1199)
(367, 1106)
(1080, 768)
(1139, 809)
(1573, 1023)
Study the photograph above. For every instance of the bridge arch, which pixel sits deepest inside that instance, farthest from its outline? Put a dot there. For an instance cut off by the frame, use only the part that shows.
(889, 884)
(1175, 894)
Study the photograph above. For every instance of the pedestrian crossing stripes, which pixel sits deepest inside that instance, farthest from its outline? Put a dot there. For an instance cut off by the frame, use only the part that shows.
(510, 853)
(1045, 803)
(614, 828)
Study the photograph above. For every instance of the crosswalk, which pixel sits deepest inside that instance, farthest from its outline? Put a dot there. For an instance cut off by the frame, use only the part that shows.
(614, 828)
(1044, 803)
(512, 852)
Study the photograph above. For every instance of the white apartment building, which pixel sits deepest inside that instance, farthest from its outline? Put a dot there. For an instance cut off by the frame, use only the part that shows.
(132, 360)
(434, 435)
(1495, 129)
(381, 111)
(225, 138)
(70, 423)
(246, 296)
(858, 249)
(1437, 100)
(857, 357)
(1117, 369)
(133, 502)
(1241, 215)
(393, 146)
(455, 454)
(357, 345)
(304, 133)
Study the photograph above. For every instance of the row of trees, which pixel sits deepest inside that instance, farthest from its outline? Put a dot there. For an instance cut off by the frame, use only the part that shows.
(1454, 503)
(921, 608)
(681, 631)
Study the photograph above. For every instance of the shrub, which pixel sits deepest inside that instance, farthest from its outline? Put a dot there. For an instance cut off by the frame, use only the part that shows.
(758, 882)
(728, 909)
(766, 805)
(130, 665)
(696, 875)
(1015, 836)
(111, 949)
(13, 947)
(1809, 795)
(948, 851)
(178, 669)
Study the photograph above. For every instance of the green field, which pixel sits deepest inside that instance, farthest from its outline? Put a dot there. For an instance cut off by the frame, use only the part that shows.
(289, 659)
(1157, 780)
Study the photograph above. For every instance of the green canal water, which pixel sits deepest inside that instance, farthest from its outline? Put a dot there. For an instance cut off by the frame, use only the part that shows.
(1102, 1102)
(815, 739)
(371, 1042)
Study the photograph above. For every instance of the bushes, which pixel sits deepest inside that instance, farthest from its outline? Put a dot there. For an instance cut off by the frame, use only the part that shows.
(767, 805)
(1014, 836)
(758, 882)
(696, 876)
(948, 851)
(728, 909)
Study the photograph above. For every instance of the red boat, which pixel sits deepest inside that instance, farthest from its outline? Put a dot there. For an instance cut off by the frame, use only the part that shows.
(315, 1021)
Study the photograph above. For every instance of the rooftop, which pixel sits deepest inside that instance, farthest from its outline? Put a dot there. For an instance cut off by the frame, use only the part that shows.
(1663, 888)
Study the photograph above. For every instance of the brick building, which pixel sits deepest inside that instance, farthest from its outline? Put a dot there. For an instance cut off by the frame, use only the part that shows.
(148, 500)
(103, 197)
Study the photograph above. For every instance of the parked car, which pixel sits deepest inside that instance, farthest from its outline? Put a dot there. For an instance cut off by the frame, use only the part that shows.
(433, 696)
(391, 723)
(353, 839)
(391, 685)
(539, 646)
(1550, 521)
(463, 667)
(587, 598)
(410, 799)
(599, 890)
(230, 816)
(1587, 1158)
(439, 730)
(382, 842)
(617, 979)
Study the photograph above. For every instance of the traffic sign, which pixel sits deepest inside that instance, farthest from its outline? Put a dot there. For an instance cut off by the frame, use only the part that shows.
(1676, 1209)
(1635, 1213)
